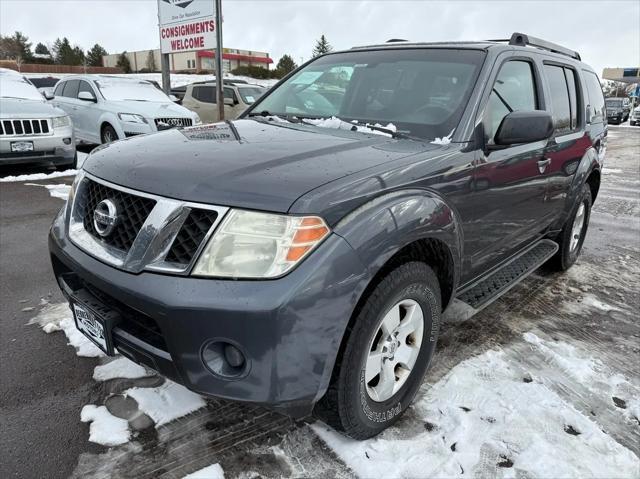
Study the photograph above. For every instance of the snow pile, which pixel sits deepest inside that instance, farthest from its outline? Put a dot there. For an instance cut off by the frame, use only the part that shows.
(338, 124)
(488, 418)
(210, 472)
(58, 317)
(445, 140)
(105, 428)
(167, 402)
(120, 367)
(56, 191)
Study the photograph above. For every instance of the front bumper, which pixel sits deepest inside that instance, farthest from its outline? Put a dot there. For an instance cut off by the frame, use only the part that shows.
(289, 329)
(46, 149)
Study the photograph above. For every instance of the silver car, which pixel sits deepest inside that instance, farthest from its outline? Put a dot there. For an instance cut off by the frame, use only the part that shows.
(32, 130)
(107, 108)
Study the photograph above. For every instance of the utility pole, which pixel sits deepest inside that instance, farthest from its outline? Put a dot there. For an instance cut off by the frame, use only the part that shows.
(164, 62)
(219, 72)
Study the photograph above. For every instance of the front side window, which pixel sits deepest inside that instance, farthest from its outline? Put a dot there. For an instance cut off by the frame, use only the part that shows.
(513, 90)
(84, 86)
(59, 88)
(421, 91)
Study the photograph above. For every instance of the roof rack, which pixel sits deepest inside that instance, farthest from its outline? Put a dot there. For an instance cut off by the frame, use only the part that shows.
(523, 40)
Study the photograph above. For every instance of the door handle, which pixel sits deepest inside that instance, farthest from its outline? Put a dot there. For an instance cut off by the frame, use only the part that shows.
(542, 165)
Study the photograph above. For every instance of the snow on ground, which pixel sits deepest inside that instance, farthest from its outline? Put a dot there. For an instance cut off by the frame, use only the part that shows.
(56, 191)
(58, 317)
(46, 176)
(120, 367)
(105, 428)
(489, 418)
(167, 402)
(210, 472)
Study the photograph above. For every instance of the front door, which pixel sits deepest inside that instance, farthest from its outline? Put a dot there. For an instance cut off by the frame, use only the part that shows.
(509, 182)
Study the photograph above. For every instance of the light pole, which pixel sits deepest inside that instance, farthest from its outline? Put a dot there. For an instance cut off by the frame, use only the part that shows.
(219, 90)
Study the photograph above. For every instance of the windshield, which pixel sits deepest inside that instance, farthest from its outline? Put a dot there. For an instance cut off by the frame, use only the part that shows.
(250, 94)
(613, 102)
(420, 91)
(115, 89)
(17, 87)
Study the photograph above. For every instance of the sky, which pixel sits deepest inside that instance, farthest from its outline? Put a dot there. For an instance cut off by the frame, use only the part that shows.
(607, 34)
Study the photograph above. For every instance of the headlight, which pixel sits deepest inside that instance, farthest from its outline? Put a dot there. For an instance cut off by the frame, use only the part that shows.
(132, 118)
(259, 245)
(197, 120)
(72, 192)
(61, 121)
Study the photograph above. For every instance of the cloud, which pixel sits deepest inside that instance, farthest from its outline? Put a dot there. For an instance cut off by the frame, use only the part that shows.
(602, 32)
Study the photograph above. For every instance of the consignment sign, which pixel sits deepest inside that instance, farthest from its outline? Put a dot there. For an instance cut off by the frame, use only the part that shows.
(186, 25)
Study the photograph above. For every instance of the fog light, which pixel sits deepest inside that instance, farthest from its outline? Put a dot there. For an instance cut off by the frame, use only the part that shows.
(224, 359)
(67, 141)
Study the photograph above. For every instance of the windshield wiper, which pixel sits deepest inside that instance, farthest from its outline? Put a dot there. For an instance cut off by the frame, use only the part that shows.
(354, 124)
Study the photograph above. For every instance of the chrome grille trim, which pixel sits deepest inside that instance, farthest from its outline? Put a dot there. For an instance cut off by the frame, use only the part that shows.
(25, 127)
(172, 122)
(154, 240)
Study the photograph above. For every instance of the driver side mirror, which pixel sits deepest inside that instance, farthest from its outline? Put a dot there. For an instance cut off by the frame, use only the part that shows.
(48, 94)
(229, 101)
(524, 127)
(87, 96)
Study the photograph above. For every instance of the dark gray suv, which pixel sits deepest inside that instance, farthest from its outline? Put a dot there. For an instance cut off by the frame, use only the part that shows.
(301, 256)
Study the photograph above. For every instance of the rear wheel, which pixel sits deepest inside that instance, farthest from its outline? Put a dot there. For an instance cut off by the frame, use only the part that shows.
(574, 232)
(108, 134)
(386, 355)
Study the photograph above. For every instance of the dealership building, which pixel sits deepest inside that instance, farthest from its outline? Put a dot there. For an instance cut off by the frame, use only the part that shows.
(202, 60)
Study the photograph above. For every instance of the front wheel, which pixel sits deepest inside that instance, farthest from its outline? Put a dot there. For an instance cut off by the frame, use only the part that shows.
(386, 355)
(108, 134)
(574, 232)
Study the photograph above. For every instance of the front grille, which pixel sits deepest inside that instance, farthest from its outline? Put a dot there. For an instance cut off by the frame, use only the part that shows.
(24, 127)
(190, 236)
(167, 123)
(133, 212)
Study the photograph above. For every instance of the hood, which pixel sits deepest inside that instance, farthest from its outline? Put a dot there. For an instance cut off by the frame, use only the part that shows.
(244, 163)
(21, 108)
(151, 109)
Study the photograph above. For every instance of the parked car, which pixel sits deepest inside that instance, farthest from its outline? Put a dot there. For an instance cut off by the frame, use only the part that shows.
(45, 85)
(179, 91)
(32, 130)
(618, 109)
(635, 117)
(201, 98)
(105, 108)
(301, 256)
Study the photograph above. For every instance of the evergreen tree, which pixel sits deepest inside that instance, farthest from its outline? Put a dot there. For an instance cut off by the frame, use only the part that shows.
(16, 47)
(286, 65)
(151, 61)
(322, 46)
(124, 63)
(94, 56)
(41, 49)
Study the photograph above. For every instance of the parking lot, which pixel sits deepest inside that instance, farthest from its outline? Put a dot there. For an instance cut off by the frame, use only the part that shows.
(544, 382)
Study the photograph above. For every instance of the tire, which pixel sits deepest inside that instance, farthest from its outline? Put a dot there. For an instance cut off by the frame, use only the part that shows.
(363, 409)
(571, 239)
(108, 134)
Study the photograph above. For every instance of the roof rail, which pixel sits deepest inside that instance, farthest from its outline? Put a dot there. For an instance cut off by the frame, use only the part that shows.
(395, 40)
(523, 40)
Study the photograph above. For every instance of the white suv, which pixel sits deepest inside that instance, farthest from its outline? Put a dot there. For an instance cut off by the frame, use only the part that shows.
(105, 108)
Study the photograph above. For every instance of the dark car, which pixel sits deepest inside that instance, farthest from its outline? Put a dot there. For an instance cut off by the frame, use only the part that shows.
(618, 109)
(301, 256)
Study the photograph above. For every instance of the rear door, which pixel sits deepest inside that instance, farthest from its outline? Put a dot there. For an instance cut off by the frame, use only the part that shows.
(508, 186)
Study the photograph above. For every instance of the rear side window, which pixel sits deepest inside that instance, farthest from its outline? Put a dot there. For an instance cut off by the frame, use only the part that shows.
(564, 101)
(59, 88)
(596, 98)
(204, 94)
(513, 90)
(71, 89)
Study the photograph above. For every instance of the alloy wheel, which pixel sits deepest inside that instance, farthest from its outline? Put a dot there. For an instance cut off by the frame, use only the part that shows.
(576, 229)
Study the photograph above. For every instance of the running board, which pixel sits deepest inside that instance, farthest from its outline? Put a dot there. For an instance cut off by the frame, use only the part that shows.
(486, 291)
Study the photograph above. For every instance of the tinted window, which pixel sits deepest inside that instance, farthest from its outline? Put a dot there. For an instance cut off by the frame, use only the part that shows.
(206, 94)
(560, 105)
(596, 98)
(71, 89)
(84, 86)
(573, 97)
(59, 88)
(513, 90)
